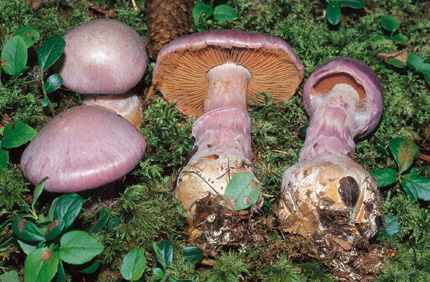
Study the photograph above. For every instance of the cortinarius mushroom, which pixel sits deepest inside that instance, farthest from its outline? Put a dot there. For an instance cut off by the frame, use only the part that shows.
(105, 57)
(82, 148)
(327, 197)
(215, 74)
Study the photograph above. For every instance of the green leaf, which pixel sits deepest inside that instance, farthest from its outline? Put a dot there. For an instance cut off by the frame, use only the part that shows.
(243, 190)
(4, 159)
(41, 265)
(54, 229)
(14, 56)
(192, 253)
(133, 265)
(396, 63)
(16, 134)
(425, 69)
(199, 9)
(399, 37)
(114, 222)
(391, 226)
(224, 13)
(38, 191)
(53, 83)
(78, 247)
(61, 274)
(29, 34)
(415, 62)
(68, 208)
(26, 248)
(390, 23)
(50, 52)
(26, 230)
(11, 276)
(355, 4)
(52, 208)
(427, 79)
(101, 221)
(91, 266)
(333, 12)
(385, 177)
(158, 273)
(418, 187)
(164, 253)
(404, 151)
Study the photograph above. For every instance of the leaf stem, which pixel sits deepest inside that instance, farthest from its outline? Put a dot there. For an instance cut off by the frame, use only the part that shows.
(51, 107)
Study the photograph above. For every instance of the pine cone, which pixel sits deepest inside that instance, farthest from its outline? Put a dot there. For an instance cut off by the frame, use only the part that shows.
(167, 20)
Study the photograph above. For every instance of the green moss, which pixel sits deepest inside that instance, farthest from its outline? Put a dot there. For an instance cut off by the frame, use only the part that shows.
(230, 266)
(280, 271)
(13, 190)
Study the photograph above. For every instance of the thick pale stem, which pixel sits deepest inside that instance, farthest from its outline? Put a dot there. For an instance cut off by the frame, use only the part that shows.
(227, 87)
(331, 131)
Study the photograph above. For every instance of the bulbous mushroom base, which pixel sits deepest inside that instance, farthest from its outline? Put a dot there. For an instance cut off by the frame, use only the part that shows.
(331, 208)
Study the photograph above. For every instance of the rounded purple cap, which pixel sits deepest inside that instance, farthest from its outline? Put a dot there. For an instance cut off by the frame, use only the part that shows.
(356, 74)
(83, 148)
(103, 56)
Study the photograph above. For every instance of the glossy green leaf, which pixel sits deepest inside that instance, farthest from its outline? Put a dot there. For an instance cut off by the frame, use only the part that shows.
(425, 69)
(192, 253)
(14, 56)
(38, 191)
(385, 177)
(54, 229)
(418, 187)
(333, 12)
(355, 4)
(396, 63)
(4, 159)
(391, 226)
(201, 9)
(29, 34)
(26, 247)
(26, 230)
(164, 253)
(224, 13)
(243, 189)
(50, 52)
(158, 273)
(17, 134)
(390, 23)
(101, 221)
(303, 129)
(415, 62)
(11, 276)
(133, 265)
(90, 267)
(45, 101)
(41, 265)
(399, 37)
(52, 208)
(61, 273)
(53, 83)
(114, 223)
(404, 152)
(68, 208)
(78, 247)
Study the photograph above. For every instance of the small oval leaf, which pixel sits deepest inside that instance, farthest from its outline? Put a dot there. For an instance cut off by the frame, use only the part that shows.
(68, 208)
(224, 13)
(192, 253)
(28, 34)
(390, 23)
(78, 247)
(41, 265)
(17, 134)
(26, 230)
(14, 56)
(333, 13)
(133, 265)
(404, 152)
(50, 52)
(53, 83)
(199, 9)
(243, 190)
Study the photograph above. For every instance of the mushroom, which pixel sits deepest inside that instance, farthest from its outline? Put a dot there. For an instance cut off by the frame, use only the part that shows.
(213, 75)
(82, 148)
(105, 57)
(327, 197)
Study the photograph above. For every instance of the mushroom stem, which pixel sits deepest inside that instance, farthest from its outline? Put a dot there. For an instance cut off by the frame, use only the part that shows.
(331, 131)
(228, 84)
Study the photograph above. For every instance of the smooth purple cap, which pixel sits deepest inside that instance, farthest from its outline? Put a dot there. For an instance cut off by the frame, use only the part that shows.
(83, 148)
(372, 100)
(103, 56)
(181, 70)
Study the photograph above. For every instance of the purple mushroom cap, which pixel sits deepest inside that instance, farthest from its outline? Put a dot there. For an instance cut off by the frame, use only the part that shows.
(185, 62)
(360, 77)
(103, 56)
(82, 148)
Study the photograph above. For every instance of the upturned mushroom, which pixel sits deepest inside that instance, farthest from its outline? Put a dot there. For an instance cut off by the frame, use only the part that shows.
(83, 148)
(328, 198)
(103, 60)
(213, 75)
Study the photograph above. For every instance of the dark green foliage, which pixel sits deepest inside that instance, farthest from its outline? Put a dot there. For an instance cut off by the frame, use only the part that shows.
(13, 190)
(230, 266)
(280, 271)
(313, 272)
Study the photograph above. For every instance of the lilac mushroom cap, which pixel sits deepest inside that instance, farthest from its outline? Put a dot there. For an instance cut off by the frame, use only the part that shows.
(83, 148)
(352, 72)
(181, 72)
(103, 56)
